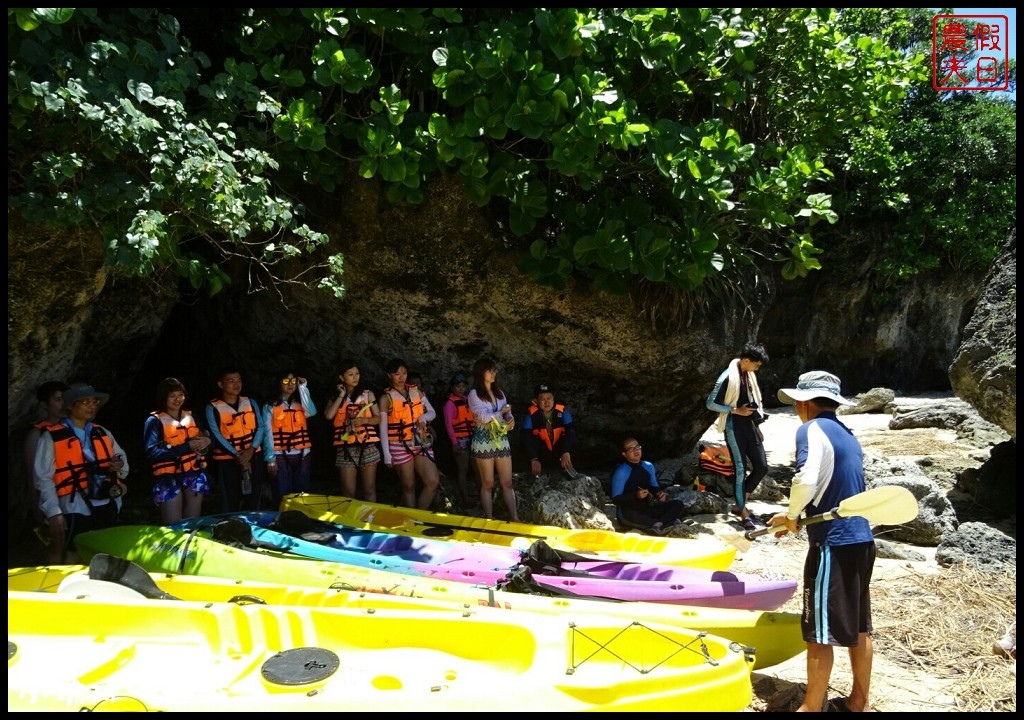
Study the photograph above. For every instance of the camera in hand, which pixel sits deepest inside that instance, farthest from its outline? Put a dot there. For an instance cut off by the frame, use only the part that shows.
(757, 417)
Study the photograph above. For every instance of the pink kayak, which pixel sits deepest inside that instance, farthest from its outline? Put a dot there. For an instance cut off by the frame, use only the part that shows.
(494, 566)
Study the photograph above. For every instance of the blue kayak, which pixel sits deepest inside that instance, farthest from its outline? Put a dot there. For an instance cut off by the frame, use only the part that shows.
(478, 563)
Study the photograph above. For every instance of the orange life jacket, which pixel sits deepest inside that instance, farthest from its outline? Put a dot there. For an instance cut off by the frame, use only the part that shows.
(238, 428)
(540, 425)
(347, 434)
(463, 423)
(71, 470)
(288, 423)
(716, 459)
(177, 432)
(403, 414)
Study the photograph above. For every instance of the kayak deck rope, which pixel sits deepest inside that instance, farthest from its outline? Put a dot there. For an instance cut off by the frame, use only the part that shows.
(675, 648)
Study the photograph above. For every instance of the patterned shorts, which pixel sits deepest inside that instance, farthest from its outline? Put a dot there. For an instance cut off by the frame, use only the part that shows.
(488, 447)
(167, 487)
(353, 457)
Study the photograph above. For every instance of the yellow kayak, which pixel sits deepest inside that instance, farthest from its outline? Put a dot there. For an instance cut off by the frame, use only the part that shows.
(711, 554)
(774, 636)
(99, 647)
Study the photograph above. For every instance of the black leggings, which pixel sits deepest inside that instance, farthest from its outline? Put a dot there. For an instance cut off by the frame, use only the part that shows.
(750, 464)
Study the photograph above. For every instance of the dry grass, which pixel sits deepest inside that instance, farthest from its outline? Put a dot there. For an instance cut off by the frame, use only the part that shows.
(946, 625)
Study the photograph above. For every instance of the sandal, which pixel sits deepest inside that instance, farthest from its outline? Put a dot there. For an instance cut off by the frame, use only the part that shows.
(748, 524)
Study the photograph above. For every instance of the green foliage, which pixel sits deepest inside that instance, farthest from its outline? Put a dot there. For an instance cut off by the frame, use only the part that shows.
(104, 130)
(673, 145)
(664, 145)
(946, 192)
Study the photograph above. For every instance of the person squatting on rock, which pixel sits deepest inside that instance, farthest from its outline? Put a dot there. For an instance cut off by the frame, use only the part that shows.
(548, 433)
(639, 500)
(841, 552)
(78, 471)
(736, 397)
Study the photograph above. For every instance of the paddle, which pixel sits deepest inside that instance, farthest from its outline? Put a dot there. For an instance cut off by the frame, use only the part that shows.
(886, 505)
(125, 572)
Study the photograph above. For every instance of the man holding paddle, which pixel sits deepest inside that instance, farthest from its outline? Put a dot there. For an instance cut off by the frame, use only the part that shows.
(841, 556)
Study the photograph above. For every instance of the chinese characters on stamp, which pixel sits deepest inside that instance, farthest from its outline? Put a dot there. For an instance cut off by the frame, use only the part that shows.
(970, 52)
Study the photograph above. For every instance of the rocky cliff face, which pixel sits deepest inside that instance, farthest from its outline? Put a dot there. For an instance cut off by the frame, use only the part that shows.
(984, 371)
(435, 286)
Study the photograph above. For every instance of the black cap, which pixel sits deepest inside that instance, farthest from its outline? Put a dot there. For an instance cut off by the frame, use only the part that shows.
(543, 388)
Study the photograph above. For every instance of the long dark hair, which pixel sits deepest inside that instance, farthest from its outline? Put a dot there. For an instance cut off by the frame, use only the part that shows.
(479, 368)
(361, 387)
(392, 367)
(278, 397)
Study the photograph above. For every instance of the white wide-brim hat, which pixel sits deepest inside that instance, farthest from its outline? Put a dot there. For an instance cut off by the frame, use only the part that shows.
(812, 385)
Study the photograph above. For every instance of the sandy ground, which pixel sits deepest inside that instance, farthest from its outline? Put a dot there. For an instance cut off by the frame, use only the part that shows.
(896, 687)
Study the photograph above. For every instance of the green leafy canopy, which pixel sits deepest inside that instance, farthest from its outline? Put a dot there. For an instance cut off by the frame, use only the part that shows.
(670, 145)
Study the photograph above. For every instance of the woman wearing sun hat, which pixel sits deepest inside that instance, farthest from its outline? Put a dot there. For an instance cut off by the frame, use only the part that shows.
(78, 471)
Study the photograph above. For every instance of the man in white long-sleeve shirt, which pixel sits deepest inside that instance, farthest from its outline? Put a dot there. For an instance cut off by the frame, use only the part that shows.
(841, 556)
(78, 471)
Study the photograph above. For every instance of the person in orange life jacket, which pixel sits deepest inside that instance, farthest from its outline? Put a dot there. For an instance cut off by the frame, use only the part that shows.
(78, 470)
(355, 420)
(288, 448)
(637, 495)
(459, 426)
(50, 411)
(236, 425)
(415, 380)
(404, 412)
(548, 432)
(736, 397)
(174, 446)
(490, 446)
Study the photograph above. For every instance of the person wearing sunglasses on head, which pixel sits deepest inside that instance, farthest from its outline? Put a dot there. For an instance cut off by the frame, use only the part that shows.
(639, 500)
(289, 446)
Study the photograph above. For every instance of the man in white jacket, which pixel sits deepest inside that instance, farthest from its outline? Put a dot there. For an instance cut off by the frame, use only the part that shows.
(78, 471)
